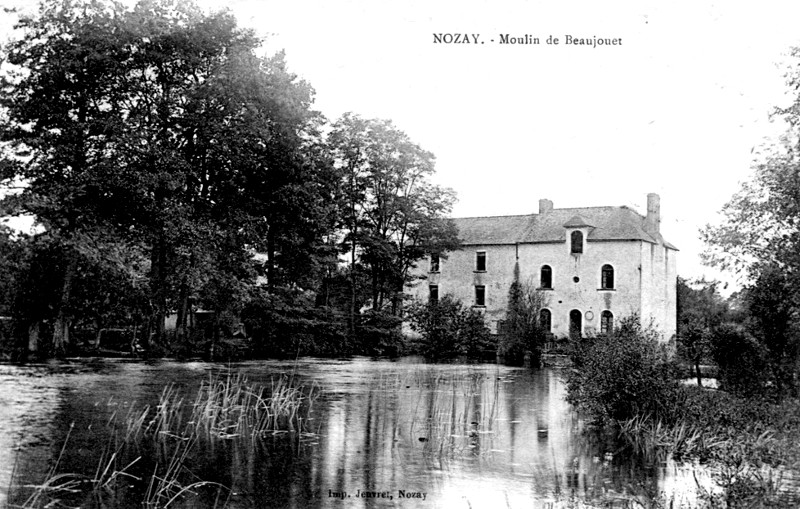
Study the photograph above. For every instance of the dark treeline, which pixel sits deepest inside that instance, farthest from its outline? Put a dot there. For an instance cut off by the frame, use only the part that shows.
(171, 168)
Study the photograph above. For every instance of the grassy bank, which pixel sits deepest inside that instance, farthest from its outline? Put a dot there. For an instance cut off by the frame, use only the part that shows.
(750, 446)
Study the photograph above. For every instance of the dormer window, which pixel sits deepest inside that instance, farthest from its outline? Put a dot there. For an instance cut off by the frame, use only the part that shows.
(576, 240)
(434, 263)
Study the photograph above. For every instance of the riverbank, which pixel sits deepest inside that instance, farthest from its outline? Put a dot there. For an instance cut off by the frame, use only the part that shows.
(477, 432)
(750, 446)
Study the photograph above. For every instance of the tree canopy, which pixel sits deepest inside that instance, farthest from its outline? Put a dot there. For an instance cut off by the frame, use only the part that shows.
(759, 238)
(160, 150)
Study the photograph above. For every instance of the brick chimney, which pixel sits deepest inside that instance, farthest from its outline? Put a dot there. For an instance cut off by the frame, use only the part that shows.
(653, 219)
(545, 206)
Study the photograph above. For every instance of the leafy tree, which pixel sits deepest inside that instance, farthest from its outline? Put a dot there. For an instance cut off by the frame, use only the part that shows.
(522, 331)
(759, 238)
(15, 250)
(58, 98)
(285, 323)
(773, 320)
(741, 359)
(700, 310)
(760, 225)
(391, 215)
(449, 329)
(159, 129)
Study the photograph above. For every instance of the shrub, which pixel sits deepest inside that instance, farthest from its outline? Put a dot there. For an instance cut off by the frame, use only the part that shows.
(286, 323)
(379, 334)
(622, 375)
(447, 329)
(741, 360)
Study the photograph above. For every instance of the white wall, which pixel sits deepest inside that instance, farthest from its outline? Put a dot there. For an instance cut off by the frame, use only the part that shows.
(649, 291)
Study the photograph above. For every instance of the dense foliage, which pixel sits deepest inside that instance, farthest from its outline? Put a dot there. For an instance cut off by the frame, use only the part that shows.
(759, 238)
(700, 310)
(448, 329)
(522, 331)
(170, 168)
(623, 374)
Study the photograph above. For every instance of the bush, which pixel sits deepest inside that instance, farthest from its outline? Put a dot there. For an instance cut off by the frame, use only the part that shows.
(379, 334)
(286, 323)
(741, 360)
(622, 375)
(448, 330)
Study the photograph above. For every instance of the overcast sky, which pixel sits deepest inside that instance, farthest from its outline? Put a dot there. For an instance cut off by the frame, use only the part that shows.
(676, 109)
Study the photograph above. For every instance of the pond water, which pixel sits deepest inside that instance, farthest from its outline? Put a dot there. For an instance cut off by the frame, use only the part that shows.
(449, 435)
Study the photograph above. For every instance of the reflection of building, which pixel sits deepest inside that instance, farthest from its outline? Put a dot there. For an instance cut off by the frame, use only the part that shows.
(593, 265)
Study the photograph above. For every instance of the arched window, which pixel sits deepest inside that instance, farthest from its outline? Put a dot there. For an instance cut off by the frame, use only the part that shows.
(575, 325)
(546, 280)
(606, 322)
(545, 320)
(577, 242)
(607, 277)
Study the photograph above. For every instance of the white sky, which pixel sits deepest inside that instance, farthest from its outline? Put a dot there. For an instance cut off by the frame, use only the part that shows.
(676, 109)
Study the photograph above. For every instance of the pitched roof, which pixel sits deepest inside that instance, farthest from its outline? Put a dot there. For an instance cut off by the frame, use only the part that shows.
(576, 222)
(604, 223)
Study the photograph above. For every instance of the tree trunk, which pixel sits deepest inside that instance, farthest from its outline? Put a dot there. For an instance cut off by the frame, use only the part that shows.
(352, 321)
(158, 276)
(214, 336)
(271, 258)
(98, 333)
(33, 337)
(61, 325)
(183, 313)
(698, 373)
(375, 294)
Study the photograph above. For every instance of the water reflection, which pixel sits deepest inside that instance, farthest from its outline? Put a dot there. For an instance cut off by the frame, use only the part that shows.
(457, 435)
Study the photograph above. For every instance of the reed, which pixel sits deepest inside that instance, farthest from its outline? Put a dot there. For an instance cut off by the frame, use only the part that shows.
(659, 441)
(227, 409)
(751, 466)
(99, 489)
(451, 410)
(230, 407)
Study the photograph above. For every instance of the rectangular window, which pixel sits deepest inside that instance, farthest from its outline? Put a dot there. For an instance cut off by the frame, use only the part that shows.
(480, 261)
(434, 263)
(480, 295)
(433, 293)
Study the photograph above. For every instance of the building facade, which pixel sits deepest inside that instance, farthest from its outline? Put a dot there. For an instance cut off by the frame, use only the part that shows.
(593, 266)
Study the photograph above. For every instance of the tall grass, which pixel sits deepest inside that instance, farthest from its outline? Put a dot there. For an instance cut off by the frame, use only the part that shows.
(451, 410)
(750, 449)
(149, 450)
(659, 442)
(230, 407)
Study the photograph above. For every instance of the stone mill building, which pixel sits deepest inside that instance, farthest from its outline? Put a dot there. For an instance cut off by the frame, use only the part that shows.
(593, 265)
